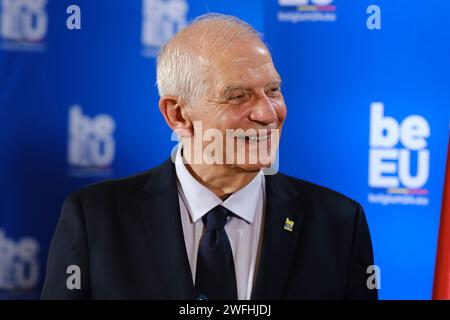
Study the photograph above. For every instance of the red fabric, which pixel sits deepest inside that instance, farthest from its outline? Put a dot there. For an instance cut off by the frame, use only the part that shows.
(441, 288)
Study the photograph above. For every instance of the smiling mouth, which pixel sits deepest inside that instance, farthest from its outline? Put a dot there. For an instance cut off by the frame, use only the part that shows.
(255, 138)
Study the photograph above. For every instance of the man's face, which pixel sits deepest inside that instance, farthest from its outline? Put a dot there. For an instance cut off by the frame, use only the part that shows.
(244, 93)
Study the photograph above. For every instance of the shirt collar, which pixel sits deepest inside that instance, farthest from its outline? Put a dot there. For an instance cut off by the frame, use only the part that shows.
(200, 200)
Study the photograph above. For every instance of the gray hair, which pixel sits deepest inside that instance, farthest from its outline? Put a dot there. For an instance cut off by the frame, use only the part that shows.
(181, 64)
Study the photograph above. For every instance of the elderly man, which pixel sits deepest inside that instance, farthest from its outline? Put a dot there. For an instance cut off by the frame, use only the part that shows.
(215, 221)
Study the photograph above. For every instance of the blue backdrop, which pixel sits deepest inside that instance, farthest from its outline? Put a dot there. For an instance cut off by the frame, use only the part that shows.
(368, 114)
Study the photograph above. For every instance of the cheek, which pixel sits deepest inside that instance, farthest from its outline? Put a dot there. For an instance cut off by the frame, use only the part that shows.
(206, 116)
(221, 119)
(280, 109)
(230, 118)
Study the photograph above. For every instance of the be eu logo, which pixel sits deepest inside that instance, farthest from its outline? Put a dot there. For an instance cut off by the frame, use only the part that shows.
(295, 11)
(91, 145)
(399, 160)
(23, 25)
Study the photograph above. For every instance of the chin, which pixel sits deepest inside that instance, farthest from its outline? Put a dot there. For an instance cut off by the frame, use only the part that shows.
(255, 166)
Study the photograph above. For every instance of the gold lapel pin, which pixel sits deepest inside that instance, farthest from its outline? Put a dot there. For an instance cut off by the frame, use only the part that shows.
(288, 225)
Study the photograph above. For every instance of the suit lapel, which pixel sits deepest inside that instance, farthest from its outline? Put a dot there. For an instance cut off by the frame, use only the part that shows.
(160, 212)
(278, 246)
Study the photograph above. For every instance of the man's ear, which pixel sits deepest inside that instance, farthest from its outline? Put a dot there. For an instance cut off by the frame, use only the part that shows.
(174, 111)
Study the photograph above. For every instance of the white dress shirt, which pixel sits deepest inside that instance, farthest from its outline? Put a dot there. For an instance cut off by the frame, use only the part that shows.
(243, 231)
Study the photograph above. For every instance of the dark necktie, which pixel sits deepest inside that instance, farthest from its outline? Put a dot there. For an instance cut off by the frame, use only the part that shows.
(215, 277)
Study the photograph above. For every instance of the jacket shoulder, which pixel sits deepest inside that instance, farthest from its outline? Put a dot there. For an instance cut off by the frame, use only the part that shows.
(116, 186)
(323, 199)
(112, 190)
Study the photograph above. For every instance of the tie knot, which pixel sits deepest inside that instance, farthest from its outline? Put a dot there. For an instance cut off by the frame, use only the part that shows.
(216, 218)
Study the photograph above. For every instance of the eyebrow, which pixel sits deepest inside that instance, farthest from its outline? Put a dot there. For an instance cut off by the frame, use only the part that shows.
(275, 83)
(232, 87)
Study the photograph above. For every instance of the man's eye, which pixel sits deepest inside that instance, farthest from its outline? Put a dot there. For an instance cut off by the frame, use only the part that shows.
(237, 98)
(274, 91)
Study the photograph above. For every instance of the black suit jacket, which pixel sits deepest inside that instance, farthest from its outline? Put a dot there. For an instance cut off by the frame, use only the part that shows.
(126, 236)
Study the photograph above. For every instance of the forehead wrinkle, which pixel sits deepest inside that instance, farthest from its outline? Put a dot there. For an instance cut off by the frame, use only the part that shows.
(221, 46)
(208, 36)
(244, 75)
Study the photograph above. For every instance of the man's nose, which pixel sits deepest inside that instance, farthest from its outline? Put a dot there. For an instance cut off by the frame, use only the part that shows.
(263, 112)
